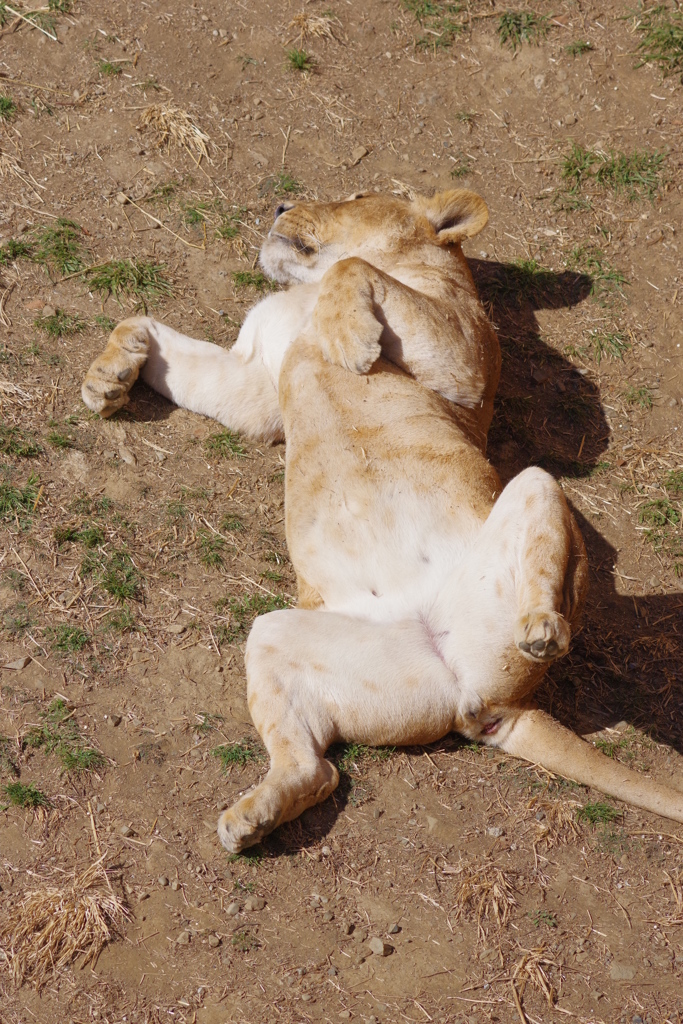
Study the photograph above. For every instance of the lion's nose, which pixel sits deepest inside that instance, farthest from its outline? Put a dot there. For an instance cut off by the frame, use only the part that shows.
(281, 209)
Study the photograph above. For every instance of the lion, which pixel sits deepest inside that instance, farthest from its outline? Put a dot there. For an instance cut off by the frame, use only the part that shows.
(430, 598)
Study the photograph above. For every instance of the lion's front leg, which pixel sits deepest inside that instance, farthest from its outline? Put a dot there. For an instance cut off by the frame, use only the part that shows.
(112, 375)
(344, 320)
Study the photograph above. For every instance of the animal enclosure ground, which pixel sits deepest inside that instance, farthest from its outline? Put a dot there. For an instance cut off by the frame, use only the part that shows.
(142, 154)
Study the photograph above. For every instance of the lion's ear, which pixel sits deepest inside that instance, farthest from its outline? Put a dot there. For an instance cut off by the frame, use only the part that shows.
(455, 214)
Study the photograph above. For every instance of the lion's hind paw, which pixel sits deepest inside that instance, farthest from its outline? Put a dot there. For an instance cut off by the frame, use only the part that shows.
(542, 636)
(112, 375)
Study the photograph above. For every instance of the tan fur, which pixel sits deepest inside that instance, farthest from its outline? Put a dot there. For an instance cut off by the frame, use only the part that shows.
(430, 598)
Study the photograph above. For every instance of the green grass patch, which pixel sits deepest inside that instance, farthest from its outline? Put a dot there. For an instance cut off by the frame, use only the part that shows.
(253, 279)
(606, 280)
(90, 535)
(18, 504)
(244, 942)
(244, 611)
(233, 524)
(140, 279)
(610, 748)
(236, 755)
(21, 795)
(60, 324)
(673, 482)
(121, 621)
(546, 917)
(8, 107)
(59, 734)
(438, 21)
(597, 813)
(659, 513)
(60, 247)
(211, 548)
(612, 345)
(300, 60)
(196, 214)
(662, 39)
(639, 395)
(282, 184)
(105, 322)
(109, 69)
(578, 48)
(517, 27)
(15, 249)
(350, 756)
(461, 167)
(225, 445)
(18, 442)
(637, 174)
(68, 639)
(60, 440)
(116, 573)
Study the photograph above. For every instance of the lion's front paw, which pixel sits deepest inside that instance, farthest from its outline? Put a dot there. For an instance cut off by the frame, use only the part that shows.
(542, 636)
(112, 375)
(348, 337)
(237, 832)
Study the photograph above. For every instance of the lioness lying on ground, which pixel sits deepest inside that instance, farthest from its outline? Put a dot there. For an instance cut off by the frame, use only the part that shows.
(430, 600)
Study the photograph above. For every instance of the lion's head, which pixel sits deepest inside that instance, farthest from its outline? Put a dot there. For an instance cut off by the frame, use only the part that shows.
(307, 238)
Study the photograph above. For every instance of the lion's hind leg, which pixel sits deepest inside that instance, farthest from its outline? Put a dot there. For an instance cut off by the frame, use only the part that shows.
(315, 677)
(112, 375)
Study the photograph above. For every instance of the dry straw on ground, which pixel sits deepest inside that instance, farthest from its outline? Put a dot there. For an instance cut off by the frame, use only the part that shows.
(483, 890)
(53, 926)
(309, 26)
(559, 825)
(173, 126)
(533, 968)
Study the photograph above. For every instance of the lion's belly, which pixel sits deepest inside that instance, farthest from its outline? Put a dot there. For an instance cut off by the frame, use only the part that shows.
(382, 556)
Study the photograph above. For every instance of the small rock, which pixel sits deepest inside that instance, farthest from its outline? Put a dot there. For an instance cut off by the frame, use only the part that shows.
(672, 403)
(33, 304)
(176, 628)
(306, 998)
(431, 823)
(326, 851)
(345, 1015)
(393, 929)
(540, 815)
(115, 719)
(232, 909)
(126, 455)
(357, 155)
(76, 94)
(18, 665)
(121, 198)
(379, 947)
(622, 972)
(214, 941)
(376, 812)
(360, 934)
(100, 807)
(636, 1019)
(254, 903)
(328, 916)
(163, 881)
(142, 896)
(496, 831)
(539, 82)
(570, 119)
(183, 939)
(126, 831)
(332, 972)
(346, 927)
(49, 311)
(175, 885)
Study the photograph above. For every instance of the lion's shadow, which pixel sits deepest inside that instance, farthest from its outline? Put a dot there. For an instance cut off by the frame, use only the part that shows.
(625, 664)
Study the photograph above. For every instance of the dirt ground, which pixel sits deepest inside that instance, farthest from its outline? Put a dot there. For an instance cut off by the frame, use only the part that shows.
(135, 552)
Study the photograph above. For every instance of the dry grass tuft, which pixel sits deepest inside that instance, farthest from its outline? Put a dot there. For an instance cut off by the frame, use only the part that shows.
(485, 891)
(533, 968)
(8, 166)
(53, 926)
(675, 880)
(309, 26)
(559, 826)
(174, 126)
